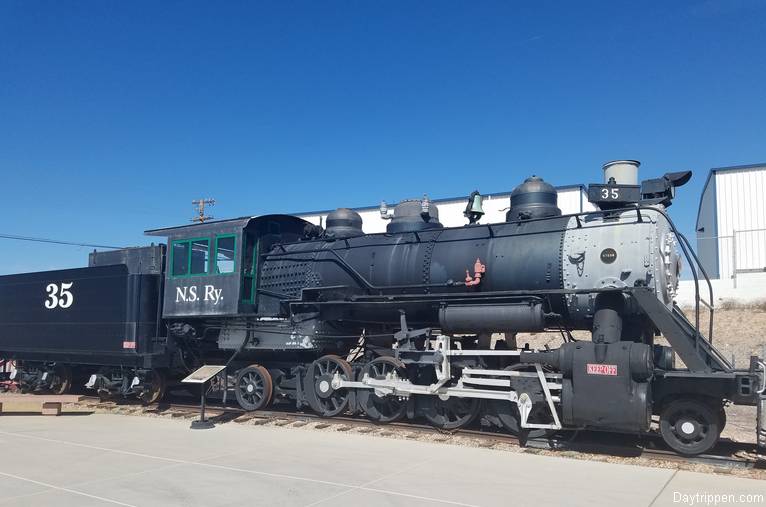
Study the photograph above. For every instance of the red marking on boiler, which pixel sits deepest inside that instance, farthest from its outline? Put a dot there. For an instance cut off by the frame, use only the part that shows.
(602, 369)
(128, 345)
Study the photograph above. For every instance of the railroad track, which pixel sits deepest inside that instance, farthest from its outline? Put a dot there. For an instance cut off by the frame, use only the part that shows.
(727, 454)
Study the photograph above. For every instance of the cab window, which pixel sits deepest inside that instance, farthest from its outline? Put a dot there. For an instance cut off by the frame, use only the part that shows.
(200, 258)
(190, 257)
(180, 255)
(225, 253)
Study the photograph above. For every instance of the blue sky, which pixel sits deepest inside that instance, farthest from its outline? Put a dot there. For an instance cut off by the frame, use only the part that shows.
(115, 115)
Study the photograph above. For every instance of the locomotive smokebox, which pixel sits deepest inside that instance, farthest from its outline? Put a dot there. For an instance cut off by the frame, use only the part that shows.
(344, 223)
(624, 172)
(533, 199)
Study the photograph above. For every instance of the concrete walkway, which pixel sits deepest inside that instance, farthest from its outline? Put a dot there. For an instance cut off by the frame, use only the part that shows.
(121, 460)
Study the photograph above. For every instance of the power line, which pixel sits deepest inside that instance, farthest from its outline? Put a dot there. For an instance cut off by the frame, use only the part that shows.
(55, 241)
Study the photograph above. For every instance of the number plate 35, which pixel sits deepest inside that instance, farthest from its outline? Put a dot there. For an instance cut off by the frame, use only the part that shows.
(59, 295)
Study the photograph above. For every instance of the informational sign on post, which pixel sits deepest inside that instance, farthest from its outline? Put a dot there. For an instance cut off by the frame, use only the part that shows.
(203, 374)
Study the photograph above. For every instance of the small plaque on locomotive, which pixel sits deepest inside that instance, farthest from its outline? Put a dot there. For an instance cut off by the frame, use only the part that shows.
(608, 255)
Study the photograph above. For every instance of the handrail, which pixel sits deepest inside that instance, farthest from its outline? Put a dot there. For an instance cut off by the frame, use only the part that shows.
(712, 310)
(709, 285)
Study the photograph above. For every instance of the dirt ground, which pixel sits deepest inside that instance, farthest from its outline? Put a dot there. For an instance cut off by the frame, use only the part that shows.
(737, 332)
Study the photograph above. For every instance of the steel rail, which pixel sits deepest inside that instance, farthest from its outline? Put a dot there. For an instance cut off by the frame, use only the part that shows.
(723, 455)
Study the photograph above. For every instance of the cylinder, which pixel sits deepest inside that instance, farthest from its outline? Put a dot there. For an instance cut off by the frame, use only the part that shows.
(492, 318)
(641, 361)
(624, 172)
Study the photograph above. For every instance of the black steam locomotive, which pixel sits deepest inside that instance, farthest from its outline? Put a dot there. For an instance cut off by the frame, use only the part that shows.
(419, 321)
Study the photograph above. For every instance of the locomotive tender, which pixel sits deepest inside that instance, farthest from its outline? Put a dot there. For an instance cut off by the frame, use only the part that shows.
(101, 320)
(418, 321)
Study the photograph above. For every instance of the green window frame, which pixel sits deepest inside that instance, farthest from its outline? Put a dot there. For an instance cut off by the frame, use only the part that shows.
(190, 258)
(249, 278)
(215, 269)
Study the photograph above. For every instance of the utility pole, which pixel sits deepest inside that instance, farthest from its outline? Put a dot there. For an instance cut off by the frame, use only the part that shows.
(200, 204)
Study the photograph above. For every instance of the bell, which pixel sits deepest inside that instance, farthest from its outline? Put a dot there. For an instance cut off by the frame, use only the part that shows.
(473, 210)
(476, 204)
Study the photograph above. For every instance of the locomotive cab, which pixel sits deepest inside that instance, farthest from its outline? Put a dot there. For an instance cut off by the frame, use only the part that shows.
(213, 266)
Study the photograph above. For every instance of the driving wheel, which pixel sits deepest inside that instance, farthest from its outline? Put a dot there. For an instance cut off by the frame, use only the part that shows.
(378, 406)
(452, 413)
(322, 398)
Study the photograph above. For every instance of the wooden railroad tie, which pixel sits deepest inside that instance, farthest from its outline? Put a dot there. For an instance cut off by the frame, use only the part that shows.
(36, 404)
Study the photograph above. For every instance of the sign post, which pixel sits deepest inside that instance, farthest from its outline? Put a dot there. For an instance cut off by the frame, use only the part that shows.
(202, 376)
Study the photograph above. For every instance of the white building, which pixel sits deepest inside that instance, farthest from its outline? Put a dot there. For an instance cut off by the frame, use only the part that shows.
(572, 199)
(731, 222)
(731, 236)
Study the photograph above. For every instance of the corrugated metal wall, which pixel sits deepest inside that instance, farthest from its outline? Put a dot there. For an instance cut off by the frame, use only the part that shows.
(707, 236)
(451, 211)
(741, 214)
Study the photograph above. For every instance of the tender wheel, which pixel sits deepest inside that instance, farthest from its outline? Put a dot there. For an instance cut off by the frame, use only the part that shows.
(451, 414)
(690, 426)
(254, 387)
(382, 408)
(62, 380)
(156, 390)
(322, 398)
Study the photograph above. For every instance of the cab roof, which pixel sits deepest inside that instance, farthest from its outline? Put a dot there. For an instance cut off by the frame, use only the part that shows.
(218, 225)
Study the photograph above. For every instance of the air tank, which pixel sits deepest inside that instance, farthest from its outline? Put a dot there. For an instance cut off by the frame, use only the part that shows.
(533, 199)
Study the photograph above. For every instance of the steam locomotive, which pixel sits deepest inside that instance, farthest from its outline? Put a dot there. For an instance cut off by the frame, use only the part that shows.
(419, 321)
